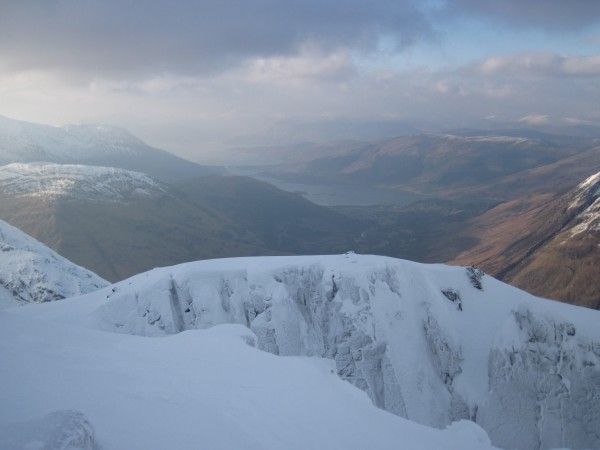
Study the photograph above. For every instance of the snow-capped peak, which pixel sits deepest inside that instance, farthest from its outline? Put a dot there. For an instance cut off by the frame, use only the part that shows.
(53, 181)
(592, 182)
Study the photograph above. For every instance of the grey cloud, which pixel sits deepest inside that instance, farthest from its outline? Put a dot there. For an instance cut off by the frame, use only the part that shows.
(538, 64)
(551, 15)
(535, 119)
(121, 37)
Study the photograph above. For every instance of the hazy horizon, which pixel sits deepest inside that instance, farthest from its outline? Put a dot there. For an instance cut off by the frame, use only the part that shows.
(197, 77)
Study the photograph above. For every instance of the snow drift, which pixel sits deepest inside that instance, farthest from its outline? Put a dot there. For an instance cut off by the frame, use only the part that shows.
(431, 343)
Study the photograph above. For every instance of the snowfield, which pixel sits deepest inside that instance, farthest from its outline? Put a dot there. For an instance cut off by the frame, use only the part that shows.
(172, 358)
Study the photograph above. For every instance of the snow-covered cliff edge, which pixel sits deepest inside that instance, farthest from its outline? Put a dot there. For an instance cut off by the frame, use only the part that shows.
(432, 343)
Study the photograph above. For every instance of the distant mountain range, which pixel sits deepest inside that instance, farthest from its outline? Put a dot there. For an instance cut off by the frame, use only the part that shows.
(32, 273)
(119, 222)
(98, 145)
(450, 166)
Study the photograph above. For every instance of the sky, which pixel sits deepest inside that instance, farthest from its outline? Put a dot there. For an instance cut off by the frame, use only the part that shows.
(196, 76)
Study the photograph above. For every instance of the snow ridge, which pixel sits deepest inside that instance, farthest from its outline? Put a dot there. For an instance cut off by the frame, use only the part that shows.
(523, 368)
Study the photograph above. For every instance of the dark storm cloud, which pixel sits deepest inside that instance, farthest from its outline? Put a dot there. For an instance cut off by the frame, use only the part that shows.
(118, 37)
(550, 15)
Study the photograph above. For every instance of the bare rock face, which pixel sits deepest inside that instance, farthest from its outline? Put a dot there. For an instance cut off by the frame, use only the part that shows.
(425, 342)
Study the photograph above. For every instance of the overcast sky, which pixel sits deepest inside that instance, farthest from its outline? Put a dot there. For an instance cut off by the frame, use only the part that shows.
(194, 75)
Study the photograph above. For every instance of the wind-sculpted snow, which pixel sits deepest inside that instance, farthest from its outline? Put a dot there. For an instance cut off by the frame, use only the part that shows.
(66, 386)
(425, 342)
(547, 374)
(32, 273)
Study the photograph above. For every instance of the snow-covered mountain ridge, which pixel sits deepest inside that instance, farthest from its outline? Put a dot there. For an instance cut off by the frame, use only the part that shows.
(23, 141)
(587, 201)
(32, 273)
(547, 244)
(431, 343)
(90, 144)
(65, 181)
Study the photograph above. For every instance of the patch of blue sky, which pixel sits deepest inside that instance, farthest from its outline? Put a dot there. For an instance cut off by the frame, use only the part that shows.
(463, 41)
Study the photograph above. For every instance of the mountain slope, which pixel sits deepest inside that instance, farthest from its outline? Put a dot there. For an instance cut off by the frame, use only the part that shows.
(434, 343)
(99, 145)
(545, 244)
(32, 273)
(446, 165)
(555, 178)
(286, 222)
(114, 221)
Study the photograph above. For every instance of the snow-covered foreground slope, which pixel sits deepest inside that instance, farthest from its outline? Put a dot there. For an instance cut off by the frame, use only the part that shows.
(69, 386)
(32, 273)
(432, 343)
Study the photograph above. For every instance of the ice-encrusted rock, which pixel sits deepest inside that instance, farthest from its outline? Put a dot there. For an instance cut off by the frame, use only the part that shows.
(30, 272)
(548, 376)
(59, 430)
(526, 369)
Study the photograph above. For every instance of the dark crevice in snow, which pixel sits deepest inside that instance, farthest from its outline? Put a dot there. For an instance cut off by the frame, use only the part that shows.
(176, 309)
